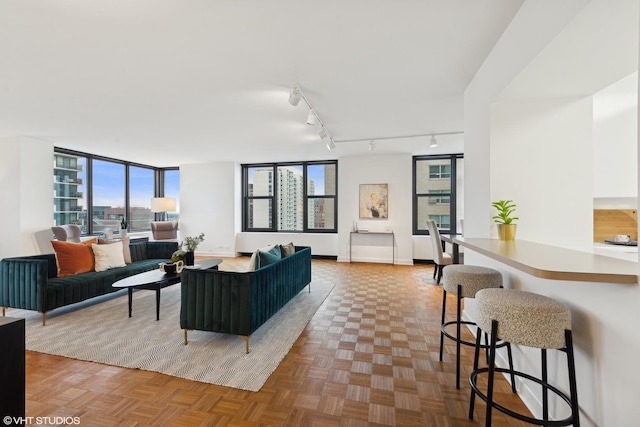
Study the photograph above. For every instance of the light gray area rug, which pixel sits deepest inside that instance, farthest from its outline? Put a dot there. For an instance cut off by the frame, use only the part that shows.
(101, 331)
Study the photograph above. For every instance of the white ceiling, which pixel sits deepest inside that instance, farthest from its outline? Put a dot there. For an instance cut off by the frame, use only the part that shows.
(166, 82)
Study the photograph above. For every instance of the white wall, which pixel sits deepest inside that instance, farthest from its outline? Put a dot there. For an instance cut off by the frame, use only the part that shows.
(615, 136)
(209, 204)
(512, 53)
(320, 243)
(392, 169)
(541, 158)
(26, 178)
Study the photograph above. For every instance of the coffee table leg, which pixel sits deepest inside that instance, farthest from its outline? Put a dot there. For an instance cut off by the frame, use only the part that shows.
(130, 300)
(158, 304)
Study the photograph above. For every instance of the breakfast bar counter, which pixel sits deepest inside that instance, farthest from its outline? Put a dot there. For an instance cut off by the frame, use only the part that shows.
(604, 319)
(552, 262)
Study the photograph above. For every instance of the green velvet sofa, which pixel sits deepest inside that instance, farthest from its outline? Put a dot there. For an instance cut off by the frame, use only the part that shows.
(240, 302)
(31, 282)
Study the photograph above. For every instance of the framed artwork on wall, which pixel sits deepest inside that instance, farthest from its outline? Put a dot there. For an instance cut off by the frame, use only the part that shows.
(374, 201)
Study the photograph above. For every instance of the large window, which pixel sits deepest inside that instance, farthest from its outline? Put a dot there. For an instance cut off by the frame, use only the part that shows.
(97, 192)
(438, 192)
(141, 190)
(70, 190)
(290, 197)
(172, 189)
(108, 195)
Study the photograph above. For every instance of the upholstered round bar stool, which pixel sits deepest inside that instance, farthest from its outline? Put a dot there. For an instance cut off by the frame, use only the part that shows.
(530, 320)
(464, 281)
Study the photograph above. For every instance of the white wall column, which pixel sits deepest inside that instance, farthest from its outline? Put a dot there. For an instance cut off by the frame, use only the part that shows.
(26, 178)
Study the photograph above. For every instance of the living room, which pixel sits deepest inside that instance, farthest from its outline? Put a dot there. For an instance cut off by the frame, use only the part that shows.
(534, 89)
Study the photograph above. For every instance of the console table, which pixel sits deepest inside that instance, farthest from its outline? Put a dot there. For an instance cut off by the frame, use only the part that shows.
(375, 233)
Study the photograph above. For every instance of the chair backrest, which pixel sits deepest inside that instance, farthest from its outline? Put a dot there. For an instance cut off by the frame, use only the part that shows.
(436, 244)
(67, 233)
(163, 230)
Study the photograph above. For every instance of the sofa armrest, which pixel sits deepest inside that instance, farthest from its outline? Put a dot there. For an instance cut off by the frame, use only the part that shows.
(23, 283)
(217, 301)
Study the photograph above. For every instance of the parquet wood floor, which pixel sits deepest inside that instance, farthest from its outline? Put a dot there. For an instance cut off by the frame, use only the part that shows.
(369, 357)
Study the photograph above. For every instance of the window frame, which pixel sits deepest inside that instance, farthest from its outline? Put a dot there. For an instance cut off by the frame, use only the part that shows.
(158, 174)
(246, 198)
(440, 194)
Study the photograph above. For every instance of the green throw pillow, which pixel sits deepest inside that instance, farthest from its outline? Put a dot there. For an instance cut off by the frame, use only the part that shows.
(287, 249)
(269, 257)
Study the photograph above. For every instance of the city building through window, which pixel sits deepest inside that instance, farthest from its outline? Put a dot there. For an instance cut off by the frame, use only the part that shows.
(438, 190)
(290, 197)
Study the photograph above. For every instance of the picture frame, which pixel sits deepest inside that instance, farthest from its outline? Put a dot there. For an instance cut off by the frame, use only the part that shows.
(374, 201)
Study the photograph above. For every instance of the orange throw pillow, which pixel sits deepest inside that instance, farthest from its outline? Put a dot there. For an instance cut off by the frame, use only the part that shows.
(74, 258)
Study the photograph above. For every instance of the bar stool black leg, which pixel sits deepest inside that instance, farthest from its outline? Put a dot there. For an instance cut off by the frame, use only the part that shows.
(545, 393)
(573, 388)
(486, 346)
(491, 373)
(513, 375)
(476, 356)
(444, 307)
(458, 333)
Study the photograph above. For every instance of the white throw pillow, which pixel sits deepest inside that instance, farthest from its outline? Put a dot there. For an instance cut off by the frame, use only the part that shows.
(108, 256)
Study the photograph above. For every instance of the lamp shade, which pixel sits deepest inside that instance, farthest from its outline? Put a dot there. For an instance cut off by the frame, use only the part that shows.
(163, 204)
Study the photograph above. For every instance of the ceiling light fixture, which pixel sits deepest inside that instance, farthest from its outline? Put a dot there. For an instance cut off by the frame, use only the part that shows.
(372, 146)
(295, 95)
(312, 119)
(326, 138)
(433, 142)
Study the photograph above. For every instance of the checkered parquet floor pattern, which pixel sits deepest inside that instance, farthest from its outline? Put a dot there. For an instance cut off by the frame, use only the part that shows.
(369, 357)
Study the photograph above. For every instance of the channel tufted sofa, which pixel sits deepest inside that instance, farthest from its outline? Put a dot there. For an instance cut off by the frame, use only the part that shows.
(240, 302)
(31, 282)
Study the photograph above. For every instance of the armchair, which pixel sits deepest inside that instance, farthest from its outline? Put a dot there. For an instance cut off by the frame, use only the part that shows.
(67, 233)
(164, 230)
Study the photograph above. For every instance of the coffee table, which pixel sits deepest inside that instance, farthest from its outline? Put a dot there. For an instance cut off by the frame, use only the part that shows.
(155, 280)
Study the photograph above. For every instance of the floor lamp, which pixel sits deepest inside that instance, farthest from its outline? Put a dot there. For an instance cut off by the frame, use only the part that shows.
(162, 205)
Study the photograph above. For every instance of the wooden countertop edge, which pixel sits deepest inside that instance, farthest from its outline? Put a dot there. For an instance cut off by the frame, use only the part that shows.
(579, 276)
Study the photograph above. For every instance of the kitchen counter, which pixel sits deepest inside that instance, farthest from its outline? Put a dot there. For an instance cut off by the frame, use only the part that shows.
(552, 262)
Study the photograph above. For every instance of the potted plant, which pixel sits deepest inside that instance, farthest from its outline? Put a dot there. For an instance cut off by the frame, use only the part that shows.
(123, 227)
(505, 218)
(191, 244)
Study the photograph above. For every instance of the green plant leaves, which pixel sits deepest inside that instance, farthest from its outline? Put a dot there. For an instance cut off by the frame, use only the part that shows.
(505, 209)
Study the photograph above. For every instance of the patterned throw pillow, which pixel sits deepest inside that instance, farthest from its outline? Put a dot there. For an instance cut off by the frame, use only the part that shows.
(74, 258)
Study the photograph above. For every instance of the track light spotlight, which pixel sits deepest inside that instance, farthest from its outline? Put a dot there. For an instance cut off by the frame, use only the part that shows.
(326, 138)
(295, 95)
(433, 142)
(372, 146)
(312, 119)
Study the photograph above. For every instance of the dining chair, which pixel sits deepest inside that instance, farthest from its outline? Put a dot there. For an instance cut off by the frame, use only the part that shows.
(440, 258)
